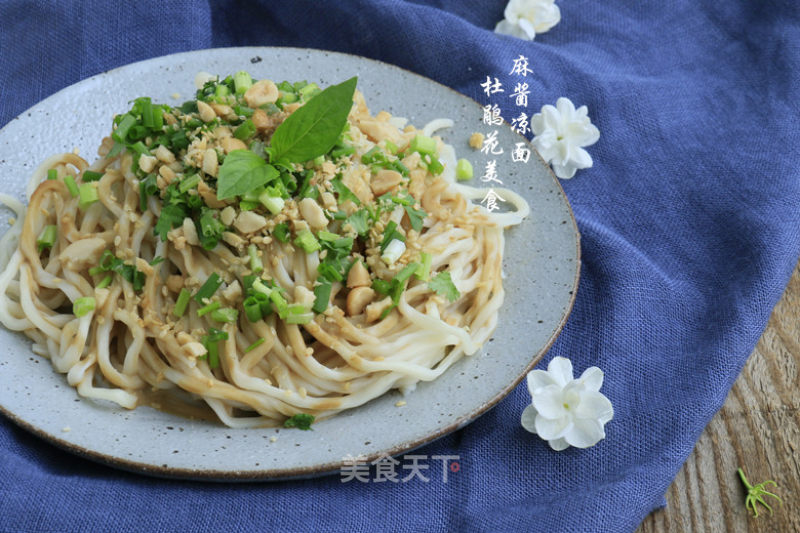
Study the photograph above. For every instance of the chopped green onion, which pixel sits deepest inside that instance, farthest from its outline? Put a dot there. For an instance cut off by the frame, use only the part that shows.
(83, 306)
(435, 166)
(72, 187)
(391, 147)
(252, 309)
(247, 281)
(213, 354)
(286, 98)
(253, 194)
(308, 91)
(297, 309)
(319, 160)
(372, 155)
(181, 303)
(259, 287)
(306, 240)
(211, 343)
(390, 234)
(208, 288)
(87, 194)
(464, 170)
(127, 122)
(158, 118)
(264, 302)
(424, 145)
(342, 151)
(90, 175)
(327, 236)
(242, 81)
(105, 282)
(243, 110)
(424, 270)
(221, 91)
(213, 306)
(381, 286)
(246, 130)
(140, 148)
(280, 302)
(255, 261)
(189, 183)
(407, 272)
(226, 314)
(271, 202)
(323, 296)
(47, 238)
(393, 251)
(147, 188)
(400, 167)
(52, 174)
(329, 272)
(255, 345)
(146, 107)
(300, 318)
(247, 206)
(137, 132)
(281, 232)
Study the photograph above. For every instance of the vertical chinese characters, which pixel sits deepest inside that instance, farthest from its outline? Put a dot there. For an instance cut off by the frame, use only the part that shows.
(492, 116)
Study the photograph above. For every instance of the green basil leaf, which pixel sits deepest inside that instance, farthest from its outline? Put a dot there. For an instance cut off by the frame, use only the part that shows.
(241, 172)
(314, 128)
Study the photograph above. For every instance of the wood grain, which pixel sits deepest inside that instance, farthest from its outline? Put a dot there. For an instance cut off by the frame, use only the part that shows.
(757, 429)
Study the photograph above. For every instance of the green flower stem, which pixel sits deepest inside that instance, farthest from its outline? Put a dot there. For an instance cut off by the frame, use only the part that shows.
(755, 494)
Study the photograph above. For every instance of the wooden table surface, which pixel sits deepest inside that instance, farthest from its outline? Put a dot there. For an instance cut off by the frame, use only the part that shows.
(758, 429)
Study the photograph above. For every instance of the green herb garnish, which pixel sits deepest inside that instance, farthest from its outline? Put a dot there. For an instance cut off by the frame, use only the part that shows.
(300, 421)
(313, 129)
(171, 217)
(111, 263)
(359, 222)
(181, 303)
(208, 288)
(442, 284)
(47, 238)
(241, 172)
(83, 306)
(211, 343)
(343, 192)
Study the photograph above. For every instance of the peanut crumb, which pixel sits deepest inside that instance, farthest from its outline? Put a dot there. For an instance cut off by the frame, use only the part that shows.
(476, 141)
(401, 403)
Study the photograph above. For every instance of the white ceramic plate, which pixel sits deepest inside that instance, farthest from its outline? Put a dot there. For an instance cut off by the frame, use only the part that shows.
(541, 266)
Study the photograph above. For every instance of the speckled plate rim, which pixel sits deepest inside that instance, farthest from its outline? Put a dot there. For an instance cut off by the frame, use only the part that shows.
(279, 474)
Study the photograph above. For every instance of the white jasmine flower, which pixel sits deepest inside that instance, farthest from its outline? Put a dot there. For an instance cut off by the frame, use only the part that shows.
(526, 18)
(560, 132)
(564, 411)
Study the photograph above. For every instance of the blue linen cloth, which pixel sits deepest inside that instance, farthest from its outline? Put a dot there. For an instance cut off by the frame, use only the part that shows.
(689, 224)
